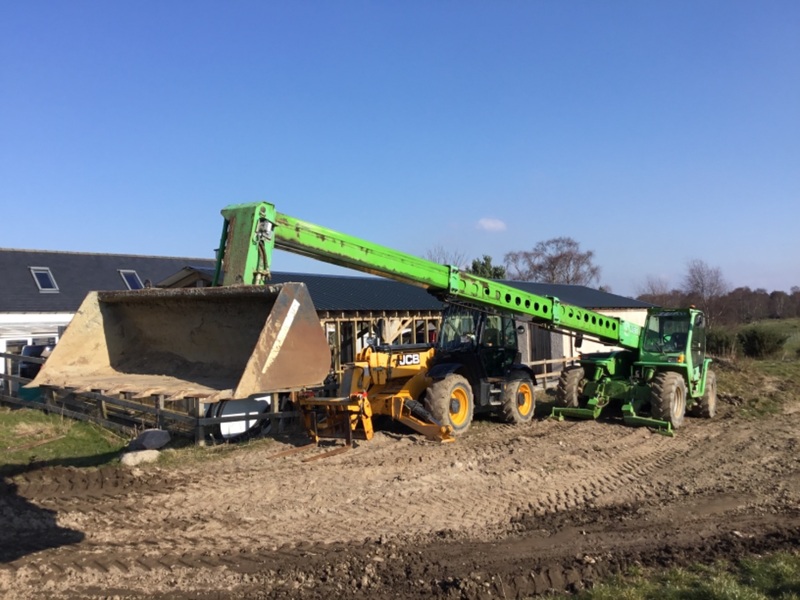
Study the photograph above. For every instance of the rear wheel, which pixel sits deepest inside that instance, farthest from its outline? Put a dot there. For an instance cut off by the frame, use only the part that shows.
(570, 387)
(518, 400)
(707, 405)
(450, 401)
(668, 398)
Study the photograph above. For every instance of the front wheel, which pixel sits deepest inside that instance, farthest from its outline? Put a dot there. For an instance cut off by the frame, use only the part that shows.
(450, 401)
(518, 400)
(668, 398)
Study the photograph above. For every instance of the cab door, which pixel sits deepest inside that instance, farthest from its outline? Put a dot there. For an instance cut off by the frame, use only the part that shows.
(498, 345)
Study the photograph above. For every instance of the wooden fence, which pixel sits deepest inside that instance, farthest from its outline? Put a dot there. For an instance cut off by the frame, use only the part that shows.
(187, 416)
(129, 415)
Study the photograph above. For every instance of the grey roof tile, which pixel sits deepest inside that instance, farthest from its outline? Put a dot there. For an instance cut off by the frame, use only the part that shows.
(578, 295)
(335, 292)
(78, 273)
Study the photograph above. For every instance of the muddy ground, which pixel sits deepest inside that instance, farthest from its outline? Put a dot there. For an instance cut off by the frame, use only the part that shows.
(505, 512)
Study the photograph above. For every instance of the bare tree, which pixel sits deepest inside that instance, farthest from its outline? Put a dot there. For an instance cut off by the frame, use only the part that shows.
(778, 304)
(656, 290)
(705, 286)
(444, 256)
(558, 260)
(654, 286)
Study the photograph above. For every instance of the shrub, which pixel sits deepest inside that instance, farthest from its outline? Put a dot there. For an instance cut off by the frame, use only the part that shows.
(760, 342)
(721, 342)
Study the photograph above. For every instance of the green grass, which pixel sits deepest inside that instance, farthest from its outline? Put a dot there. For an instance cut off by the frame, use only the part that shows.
(34, 437)
(776, 576)
(789, 328)
(758, 387)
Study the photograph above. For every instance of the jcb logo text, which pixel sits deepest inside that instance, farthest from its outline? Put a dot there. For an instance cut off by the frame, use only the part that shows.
(407, 360)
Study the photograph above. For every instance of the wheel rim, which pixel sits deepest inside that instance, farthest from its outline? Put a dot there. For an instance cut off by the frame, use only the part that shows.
(524, 399)
(678, 407)
(459, 406)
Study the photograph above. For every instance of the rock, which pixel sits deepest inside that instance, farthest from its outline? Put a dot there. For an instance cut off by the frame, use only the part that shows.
(131, 459)
(150, 439)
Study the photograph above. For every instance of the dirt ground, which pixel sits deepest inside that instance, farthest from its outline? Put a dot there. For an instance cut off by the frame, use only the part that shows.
(504, 512)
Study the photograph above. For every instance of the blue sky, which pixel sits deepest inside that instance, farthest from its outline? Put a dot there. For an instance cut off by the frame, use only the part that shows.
(653, 133)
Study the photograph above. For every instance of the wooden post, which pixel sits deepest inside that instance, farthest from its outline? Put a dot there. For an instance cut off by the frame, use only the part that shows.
(101, 406)
(198, 408)
(159, 408)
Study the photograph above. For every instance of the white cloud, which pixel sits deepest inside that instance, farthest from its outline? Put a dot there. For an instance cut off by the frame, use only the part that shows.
(489, 224)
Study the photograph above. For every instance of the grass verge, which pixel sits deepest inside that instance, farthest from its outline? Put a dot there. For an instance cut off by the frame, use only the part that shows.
(758, 387)
(761, 578)
(31, 436)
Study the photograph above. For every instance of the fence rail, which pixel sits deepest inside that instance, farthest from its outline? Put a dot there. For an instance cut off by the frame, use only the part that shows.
(123, 413)
(545, 378)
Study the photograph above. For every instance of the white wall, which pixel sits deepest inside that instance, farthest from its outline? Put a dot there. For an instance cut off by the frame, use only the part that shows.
(25, 328)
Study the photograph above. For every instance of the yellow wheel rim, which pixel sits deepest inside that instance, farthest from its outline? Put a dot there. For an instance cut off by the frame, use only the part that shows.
(525, 399)
(459, 406)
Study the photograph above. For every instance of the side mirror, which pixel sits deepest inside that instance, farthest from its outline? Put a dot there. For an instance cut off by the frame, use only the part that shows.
(579, 340)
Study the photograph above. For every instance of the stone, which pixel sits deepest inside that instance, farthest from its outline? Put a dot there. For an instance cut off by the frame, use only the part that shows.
(150, 439)
(131, 459)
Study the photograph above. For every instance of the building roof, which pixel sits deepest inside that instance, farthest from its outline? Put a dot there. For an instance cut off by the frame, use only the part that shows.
(334, 292)
(579, 295)
(75, 274)
(78, 273)
(343, 293)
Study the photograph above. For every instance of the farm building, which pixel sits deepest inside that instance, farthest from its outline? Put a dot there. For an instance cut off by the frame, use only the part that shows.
(41, 290)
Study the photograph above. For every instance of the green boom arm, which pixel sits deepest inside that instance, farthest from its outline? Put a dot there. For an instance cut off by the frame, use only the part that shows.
(247, 259)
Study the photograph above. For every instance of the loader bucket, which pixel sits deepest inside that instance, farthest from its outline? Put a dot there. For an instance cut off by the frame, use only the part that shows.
(215, 343)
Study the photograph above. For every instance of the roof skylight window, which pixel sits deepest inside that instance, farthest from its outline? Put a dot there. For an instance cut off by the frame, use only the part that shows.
(44, 280)
(131, 279)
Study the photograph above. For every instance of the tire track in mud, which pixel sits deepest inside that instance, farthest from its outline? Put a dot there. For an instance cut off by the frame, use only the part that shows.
(535, 487)
(384, 505)
(515, 567)
(69, 483)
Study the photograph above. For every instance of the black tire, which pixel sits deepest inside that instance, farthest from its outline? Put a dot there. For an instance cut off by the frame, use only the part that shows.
(706, 407)
(668, 398)
(570, 387)
(451, 402)
(519, 399)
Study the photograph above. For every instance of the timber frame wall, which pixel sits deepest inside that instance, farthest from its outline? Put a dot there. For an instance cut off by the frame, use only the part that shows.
(347, 329)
